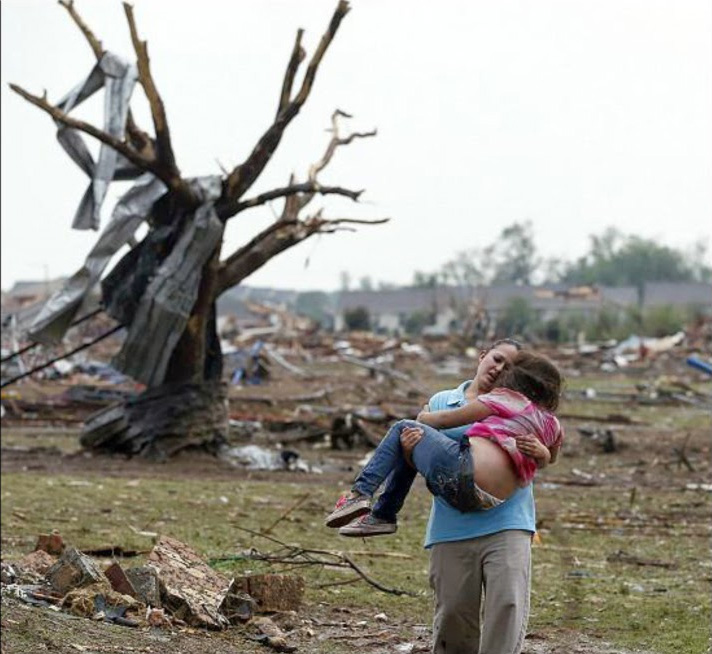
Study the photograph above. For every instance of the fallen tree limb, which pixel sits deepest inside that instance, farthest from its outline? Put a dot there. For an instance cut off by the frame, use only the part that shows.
(272, 400)
(294, 506)
(622, 556)
(294, 555)
(280, 360)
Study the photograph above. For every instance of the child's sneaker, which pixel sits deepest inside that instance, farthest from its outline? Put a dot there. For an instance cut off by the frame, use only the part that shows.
(346, 509)
(368, 525)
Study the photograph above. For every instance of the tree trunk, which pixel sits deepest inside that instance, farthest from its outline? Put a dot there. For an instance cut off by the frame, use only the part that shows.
(162, 421)
(188, 412)
(164, 278)
(197, 356)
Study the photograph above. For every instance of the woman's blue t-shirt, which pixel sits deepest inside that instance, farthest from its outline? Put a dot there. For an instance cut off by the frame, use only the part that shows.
(448, 524)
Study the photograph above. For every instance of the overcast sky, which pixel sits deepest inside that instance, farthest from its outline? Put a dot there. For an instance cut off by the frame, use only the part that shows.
(572, 114)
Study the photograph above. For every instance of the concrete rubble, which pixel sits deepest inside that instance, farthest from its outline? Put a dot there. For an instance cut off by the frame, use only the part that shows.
(297, 387)
(174, 588)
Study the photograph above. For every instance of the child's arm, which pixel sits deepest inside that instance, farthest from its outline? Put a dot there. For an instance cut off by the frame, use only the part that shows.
(554, 452)
(410, 437)
(464, 415)
(531, 446)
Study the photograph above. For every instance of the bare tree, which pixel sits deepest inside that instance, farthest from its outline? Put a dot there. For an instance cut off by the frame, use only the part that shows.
(164, 290)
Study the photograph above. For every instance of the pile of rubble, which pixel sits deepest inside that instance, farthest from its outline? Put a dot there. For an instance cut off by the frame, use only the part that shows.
(299, 385)
(175, 588)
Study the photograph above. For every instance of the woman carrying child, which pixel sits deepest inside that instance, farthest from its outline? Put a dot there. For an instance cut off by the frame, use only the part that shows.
(475, 473)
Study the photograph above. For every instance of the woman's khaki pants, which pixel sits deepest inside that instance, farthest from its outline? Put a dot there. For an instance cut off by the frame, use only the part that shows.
(482, 590)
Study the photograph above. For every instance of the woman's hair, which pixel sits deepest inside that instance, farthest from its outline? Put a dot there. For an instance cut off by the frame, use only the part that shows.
(506, 341)
(535, 376)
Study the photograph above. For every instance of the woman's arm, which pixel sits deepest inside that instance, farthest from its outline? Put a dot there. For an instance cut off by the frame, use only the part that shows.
(464, 415)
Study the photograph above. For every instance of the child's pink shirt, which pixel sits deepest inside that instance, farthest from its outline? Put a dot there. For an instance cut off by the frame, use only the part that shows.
(516, 415)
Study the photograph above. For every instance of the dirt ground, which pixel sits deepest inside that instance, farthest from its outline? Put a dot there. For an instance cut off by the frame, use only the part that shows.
(645, 465)
(63, 633)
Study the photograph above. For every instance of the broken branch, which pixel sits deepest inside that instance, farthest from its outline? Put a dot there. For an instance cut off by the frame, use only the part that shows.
(121, 147)
(276, 238)
(341, 10)
(244, 175)
(94, 43)
(297, 57)
(342, 561)
(158, 111)
(176, 184)
(140, 140)
(335, 142)
(307, 187)
(316, 168)
(292, 508)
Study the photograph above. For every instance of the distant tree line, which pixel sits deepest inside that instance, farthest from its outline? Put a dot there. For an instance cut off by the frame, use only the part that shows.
(613, 259)
(521, 319)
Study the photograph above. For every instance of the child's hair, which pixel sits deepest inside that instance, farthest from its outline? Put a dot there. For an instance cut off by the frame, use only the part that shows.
(535, 376)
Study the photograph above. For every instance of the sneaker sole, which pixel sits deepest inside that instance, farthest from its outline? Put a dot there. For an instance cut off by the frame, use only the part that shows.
(342, 519)
(356, 533)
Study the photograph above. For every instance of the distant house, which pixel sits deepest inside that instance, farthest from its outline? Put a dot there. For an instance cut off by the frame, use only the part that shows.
(236, 301)
(25, 299)
(24, 293)
(440, 309)
(688, 294)
(389, 310)
(246, 308)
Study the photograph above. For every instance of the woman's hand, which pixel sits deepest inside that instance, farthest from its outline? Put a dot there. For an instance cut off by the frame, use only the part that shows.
(427, 418)
(423, 414)
(409, 438)
(531, 446)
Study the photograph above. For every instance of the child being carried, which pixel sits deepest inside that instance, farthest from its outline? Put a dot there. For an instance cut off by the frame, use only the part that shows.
(475, 473)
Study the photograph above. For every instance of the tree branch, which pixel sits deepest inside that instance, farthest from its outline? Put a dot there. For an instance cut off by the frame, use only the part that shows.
(355, 221)
(335, 141)
(94, 43)
(272, 240)
(297, 57)
(244, 175)
(296, 555)
(307, 187)
(279, 236)
(173, 182)
(139, 139)
(158, 111)
(119, 146)
(341, 10)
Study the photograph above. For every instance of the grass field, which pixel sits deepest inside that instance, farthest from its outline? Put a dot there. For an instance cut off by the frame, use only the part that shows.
(622, 555)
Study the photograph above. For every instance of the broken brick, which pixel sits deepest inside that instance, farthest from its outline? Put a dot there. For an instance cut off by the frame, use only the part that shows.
(51, 543)
(237, 606)
(144, 581)
(157, 618)
(119, 581)
(272, 592)
(37, 562)
(190, 589)
(73, 570)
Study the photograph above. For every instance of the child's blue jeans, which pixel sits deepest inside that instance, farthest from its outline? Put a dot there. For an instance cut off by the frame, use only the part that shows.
(445, 463)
